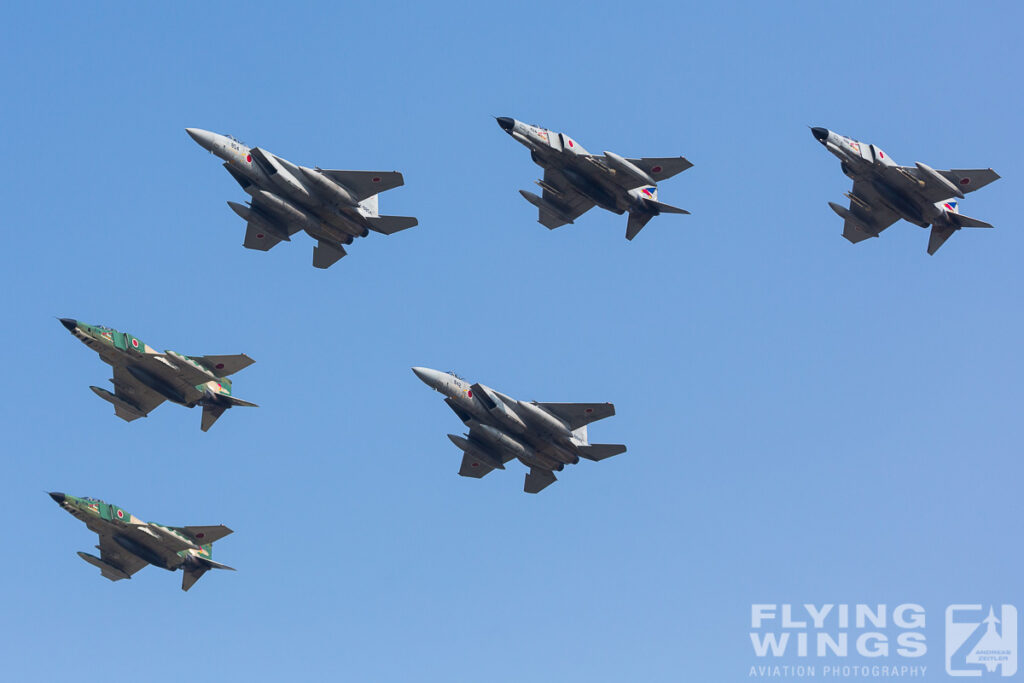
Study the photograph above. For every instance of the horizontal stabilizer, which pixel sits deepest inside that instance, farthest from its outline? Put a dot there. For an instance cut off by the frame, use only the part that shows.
(600, 451)
(223, 366)
(661, 207)
(235, 402)
(214, 565)
(968, 222)
(259, 239)
(537, 480)
(389, 225)
(471, 467)
(326, 254)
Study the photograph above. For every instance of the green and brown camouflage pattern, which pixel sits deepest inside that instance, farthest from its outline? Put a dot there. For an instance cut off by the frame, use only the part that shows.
(127, 543)
(144, 377)
(127, 343)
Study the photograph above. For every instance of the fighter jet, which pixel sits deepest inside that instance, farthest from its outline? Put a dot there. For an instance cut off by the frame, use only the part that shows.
(127, 544)
(333, 207)
(543, 436)
(884, 192)
(574, 180)
(144, 378)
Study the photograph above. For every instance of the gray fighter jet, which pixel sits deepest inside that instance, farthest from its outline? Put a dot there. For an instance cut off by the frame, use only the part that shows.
(574, 180)
(333, 207)
(884, 192)
(543, 436)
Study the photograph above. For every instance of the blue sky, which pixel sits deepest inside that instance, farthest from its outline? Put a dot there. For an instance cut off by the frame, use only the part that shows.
(807, 420)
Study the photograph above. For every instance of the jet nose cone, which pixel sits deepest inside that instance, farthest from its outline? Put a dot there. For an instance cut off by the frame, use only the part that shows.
(820, 134)
(69, 324)
(58, 498)
(506, 123)
(432, 378)
(203, 137)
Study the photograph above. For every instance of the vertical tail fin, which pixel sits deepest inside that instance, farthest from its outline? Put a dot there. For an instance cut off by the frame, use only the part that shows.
(580, 434)
(637, 221)
(370, 205)
(190, 576)
(211, 411)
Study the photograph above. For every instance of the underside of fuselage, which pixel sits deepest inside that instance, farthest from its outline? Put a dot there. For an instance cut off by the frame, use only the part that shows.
(143, 552)
(157, 384)
(905, 206)
(592, 188)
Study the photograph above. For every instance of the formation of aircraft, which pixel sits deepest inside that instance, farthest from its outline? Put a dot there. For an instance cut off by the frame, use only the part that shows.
(333, 207)
(575, 180)
(127, 544)
(144, 378)
(884, 192)
(543, 436)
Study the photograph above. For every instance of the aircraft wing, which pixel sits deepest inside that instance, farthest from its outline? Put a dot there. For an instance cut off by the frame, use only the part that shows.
(173, 370)
(132, 391)
(969, 180)
(204, 534)
(257, 238)
(659, 168)
(577, 415)
(869, 220)
(118, 557)
(966, 180)
(261, 206)
(223, 366)
(560, 192)
(365, 184)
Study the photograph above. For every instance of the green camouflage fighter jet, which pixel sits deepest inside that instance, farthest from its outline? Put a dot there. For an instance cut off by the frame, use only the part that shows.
(144, 378)
(127, 544)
